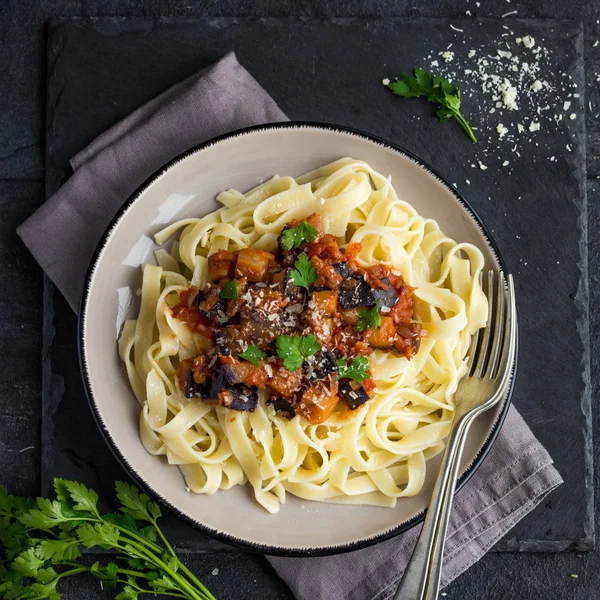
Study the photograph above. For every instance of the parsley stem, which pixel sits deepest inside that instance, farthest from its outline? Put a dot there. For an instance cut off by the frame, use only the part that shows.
(463, 123)
(184, 584)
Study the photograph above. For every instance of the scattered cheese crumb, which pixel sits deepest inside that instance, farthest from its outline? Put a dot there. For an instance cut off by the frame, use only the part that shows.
(434, 63)
(215, 571)
(534, 126)
(566, 105)
(502, 131)
(457, 29)
(385, 81)
(447, 55)
(574, 575)
(512, 12)
(471, 53)
(572, 116)
(518, 40)
(536, 86)
(520, 128)
(528, 41)
(468, 13)
(482, 166)
(575, 95)
(509, 95)
(505, 163)
(595, 44)
(468, 182)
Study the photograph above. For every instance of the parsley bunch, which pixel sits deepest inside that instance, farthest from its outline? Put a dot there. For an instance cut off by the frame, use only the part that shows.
(437, 90)
(42, 541)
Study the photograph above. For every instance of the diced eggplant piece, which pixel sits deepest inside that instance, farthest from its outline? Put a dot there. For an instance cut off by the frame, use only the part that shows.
(229, 341)
(322, 364)
(384, 336)
(343, 269)
(193, 389)
(285, 383)
(209, 389)
(317, 403)
(325, 302)
(387, 297)
(355, 293)
(238, 371)
(286, 286)
(354, 394)
(284, 408)
(252, 264)
(239, 397)
(220, 265)
(214, 308)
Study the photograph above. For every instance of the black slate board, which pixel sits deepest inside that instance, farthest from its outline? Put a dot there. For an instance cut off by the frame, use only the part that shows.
(99, 70)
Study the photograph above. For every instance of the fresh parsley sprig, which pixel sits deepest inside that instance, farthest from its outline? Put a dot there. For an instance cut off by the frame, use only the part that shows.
(294, 237)
(253, 354)
(42, 541)
(368, 318)
(293, 350)
(357, 370)
(230, 290)
(437, 90)
(304, 275)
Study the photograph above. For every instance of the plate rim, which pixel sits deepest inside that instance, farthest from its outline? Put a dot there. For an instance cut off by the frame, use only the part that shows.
(122, 459)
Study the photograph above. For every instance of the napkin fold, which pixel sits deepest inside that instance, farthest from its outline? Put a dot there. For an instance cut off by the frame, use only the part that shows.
(62, 235)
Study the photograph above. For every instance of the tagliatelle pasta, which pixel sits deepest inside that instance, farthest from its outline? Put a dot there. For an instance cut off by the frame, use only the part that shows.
(374, 454)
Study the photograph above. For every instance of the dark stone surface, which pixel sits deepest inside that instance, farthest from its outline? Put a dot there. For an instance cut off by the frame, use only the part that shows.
(86, 96)
(22, 93)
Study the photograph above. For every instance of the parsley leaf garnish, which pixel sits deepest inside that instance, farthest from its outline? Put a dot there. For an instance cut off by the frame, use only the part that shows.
(296, 236)
(437, 90)
(293, 350)
(357, 370)
(368, 318)
(253, 354)
(230, 290)
(304, 275)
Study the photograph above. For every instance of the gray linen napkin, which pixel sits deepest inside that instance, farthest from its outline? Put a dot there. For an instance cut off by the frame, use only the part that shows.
(518, 472)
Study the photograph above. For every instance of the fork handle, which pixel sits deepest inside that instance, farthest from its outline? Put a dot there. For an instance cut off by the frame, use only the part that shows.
(421, 578)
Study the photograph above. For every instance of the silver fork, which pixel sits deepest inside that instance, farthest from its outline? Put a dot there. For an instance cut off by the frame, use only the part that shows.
(492, 355)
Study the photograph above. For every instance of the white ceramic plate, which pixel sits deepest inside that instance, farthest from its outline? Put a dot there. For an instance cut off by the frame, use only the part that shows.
(187, 188)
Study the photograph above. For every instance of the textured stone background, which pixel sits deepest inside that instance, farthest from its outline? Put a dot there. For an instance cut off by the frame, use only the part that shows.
(22, 96)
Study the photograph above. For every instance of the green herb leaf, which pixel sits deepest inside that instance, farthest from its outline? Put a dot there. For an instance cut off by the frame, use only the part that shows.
(48, 514)
(64, 548)
(368, 318)
(296, 236)
(230, 290)
(127, 593)
(138, 505)
(293, 350)
(104, 535)
(357, 370)
(28, 563)
(437, 90)
(124, 520)
(308, 345)
(253, 354)
(305, 274)
(83, 499)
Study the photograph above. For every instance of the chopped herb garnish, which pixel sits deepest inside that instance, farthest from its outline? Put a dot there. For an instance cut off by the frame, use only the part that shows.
(230, 290)
(357, 370)
(253, 354)
(293, 350)
(296, 236)
(368, 318)
(437, 90)
(304, 275)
